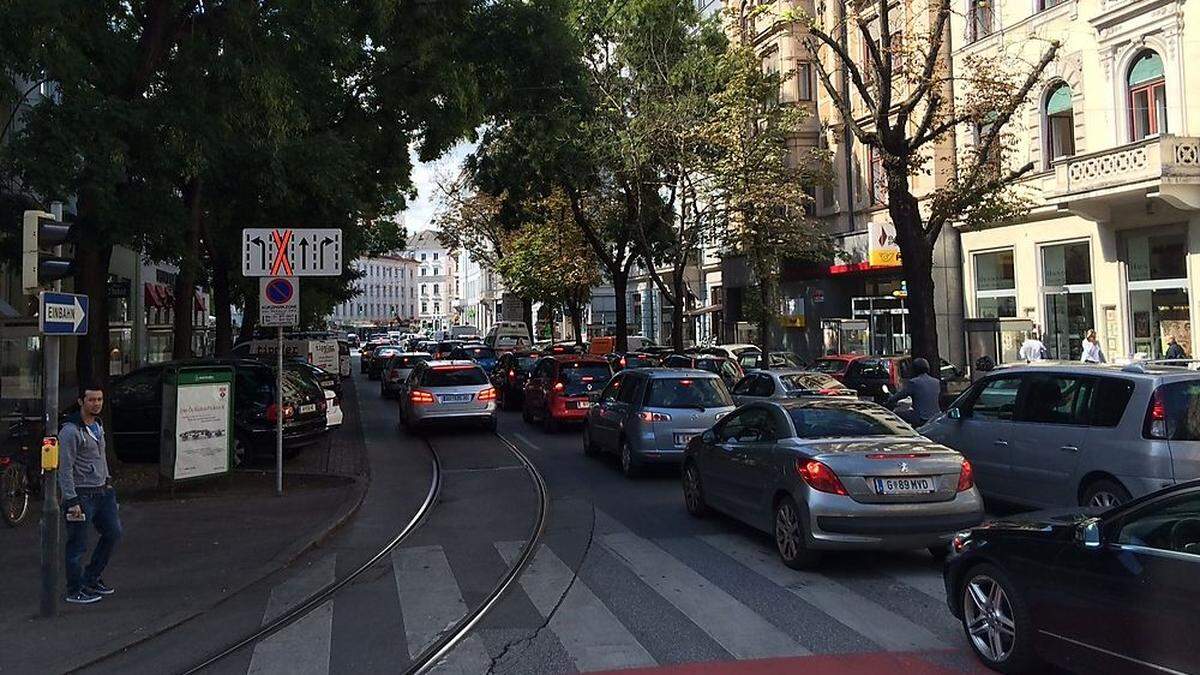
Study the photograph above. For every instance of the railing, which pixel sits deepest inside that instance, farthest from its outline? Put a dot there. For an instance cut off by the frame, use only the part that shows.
(1156, 158)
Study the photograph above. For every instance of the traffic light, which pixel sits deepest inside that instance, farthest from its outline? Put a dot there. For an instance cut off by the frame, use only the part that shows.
(40, 265)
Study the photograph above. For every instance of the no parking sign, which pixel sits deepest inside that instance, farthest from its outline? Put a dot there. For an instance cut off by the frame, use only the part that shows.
(278, 301)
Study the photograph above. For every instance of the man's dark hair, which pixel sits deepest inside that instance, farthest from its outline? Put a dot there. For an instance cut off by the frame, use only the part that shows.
(85, 387)
(920, 366)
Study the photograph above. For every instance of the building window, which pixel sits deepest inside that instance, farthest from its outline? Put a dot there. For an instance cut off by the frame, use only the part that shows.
(424, 289)
(878, 179)
(1059, 124)
(1067, 294)
(422, 257)
(435, 256)
(993, 160)
(995, 285)
(1047, 4)
(1147, 96)
(804, 81)
(981, 18)
(435, 289)
(1156, 263)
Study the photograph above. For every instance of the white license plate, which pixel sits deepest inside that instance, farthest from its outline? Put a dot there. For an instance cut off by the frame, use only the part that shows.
(308, 407)
(904, 486)
(583, 404)
(683, 439)
(455, 398)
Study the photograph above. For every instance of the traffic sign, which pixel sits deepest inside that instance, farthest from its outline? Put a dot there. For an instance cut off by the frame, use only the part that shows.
(279, 301)
(62, 313)
(286, 252)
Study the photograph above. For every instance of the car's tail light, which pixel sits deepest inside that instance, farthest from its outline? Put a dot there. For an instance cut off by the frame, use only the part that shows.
(960, 541)
(273, 412)
(559, 387)
(488, 394)
(648, 416)
(623, 362)
(829, 392)
(819, 476)
(336, 402)
(1156, 417)
(321, 406)
(966, 477)
(512, 374)
(420, 397)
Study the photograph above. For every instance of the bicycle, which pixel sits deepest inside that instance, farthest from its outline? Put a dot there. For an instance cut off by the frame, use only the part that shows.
(15, 489)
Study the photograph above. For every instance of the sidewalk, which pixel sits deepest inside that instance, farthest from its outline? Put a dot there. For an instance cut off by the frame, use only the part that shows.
(181, 556)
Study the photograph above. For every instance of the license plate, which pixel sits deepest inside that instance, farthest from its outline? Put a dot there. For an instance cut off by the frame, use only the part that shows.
(308, 407)
(904, 486)
(683, 439)
(455, 398)
(583, 404)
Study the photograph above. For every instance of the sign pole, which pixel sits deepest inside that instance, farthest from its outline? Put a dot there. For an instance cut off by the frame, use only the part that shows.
(279, 412)
(51, 524)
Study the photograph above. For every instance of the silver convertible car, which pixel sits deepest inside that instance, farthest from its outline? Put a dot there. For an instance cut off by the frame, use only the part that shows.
(831, 474)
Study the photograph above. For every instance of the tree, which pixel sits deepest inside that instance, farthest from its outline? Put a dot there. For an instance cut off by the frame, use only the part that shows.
(759, 185)
(906, 105)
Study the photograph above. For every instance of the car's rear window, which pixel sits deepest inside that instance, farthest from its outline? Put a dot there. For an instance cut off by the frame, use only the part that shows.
(808, 381)
(1180, 402)
(821, 422)
(457, 376)
(640, 361)
(711, 365)
(583, 371)
(409, 361)
(683, 392)
(478, 352)
(828, 366)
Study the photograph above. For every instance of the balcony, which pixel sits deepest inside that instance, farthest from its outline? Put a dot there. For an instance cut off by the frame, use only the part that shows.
(1165, 168)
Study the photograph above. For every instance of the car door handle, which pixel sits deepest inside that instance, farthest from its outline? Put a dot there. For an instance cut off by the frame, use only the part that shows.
(1069, 448)
(1002, 444)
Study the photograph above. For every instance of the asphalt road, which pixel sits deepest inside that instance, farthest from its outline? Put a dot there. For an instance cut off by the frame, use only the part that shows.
(623, 578)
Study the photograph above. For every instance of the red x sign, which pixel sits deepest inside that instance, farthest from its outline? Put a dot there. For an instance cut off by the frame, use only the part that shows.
(281, 266)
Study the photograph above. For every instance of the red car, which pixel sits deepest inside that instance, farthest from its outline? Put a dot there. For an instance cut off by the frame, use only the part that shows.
(835, 365)
(561, 388)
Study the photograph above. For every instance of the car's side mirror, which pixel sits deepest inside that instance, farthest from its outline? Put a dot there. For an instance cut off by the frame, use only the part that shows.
(709, 436)
(954, 413)
(1088, 534)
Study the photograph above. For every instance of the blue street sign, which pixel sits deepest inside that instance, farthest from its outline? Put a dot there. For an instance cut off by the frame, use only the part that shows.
(62, 313)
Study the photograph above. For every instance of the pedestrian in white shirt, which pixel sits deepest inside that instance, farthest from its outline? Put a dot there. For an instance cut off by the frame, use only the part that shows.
(1091, 349)
(1032, 348)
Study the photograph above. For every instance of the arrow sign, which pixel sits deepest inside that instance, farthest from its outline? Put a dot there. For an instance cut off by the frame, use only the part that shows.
(287, 252)
(62, 313)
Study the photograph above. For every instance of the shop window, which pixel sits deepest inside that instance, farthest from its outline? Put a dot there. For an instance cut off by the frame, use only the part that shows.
(1147, 96)
(995, 285)
(1059, 124)
(1159, 309)
(981, 19)
(1067, 297)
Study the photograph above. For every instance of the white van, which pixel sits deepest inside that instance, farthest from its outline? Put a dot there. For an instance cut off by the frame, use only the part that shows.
(507, 335)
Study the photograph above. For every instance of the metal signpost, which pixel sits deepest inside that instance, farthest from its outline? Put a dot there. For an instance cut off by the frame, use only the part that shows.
(278, 256)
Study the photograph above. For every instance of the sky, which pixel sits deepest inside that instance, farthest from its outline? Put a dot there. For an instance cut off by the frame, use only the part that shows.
(419, 214)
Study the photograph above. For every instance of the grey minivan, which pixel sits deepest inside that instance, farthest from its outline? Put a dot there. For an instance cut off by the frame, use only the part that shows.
(1067, 434)
(648, 415)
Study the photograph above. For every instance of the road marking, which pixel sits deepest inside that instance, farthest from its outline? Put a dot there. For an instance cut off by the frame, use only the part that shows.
(593, 636)
(430, 603)
(876, 623)
(928, 582)
(733, 625)
(302, 647)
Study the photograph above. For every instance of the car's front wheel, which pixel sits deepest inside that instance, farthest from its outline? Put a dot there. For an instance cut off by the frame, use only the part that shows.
(693, 491)
(996, 621)
(630, 466)
(790, 542)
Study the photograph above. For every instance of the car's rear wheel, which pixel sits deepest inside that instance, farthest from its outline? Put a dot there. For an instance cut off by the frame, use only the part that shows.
(630, 466)
(996, 621)
(1105, 494)
(789, 537)
(693, 491)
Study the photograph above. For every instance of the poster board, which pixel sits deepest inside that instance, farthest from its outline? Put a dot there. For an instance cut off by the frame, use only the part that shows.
(197, 423)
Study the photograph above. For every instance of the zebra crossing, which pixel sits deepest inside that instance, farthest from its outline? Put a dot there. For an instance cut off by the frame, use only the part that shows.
(582, 621)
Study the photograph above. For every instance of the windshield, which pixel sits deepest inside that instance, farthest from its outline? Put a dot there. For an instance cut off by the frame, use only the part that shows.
(829, 365)
(700, 392)
(809, 381)
(462, 376)
(820, 422)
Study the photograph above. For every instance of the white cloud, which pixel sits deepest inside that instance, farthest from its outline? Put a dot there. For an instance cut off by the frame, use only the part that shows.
(420, 212)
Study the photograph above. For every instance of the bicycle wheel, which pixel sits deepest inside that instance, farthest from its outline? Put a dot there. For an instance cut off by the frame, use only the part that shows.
(14, 494)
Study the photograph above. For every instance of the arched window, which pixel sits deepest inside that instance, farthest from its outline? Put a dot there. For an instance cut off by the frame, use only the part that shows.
(1147, 96)
(1059, 123)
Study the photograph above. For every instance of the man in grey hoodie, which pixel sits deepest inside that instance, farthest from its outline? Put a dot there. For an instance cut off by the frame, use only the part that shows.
(88, 497)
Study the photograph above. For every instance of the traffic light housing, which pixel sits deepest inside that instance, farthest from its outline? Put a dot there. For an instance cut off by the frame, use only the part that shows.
(40, 265)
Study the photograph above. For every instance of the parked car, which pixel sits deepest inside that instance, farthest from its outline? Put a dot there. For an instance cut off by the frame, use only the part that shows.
(136, 401)
(726, 368)
(760, 385)
(456, 391)
(396, 372)
(379, 357)
(481, 354)
(1065, 434)
(367, 352)
(330, 383)
(746, 355)
(775, 360)
(834, 365)
(509, 376)
(877, 377)
(830, 474)
(561, 388)
(1088, 590)
(649, 415)
(622, 360)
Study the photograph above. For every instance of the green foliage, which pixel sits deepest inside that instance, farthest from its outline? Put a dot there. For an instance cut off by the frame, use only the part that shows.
(547, 259)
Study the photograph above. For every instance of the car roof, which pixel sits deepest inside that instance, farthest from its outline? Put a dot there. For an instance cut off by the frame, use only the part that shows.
(591, 358)
(841, 357)
(826, 402)
(450, 362)
(674, 373)
(1144, 370)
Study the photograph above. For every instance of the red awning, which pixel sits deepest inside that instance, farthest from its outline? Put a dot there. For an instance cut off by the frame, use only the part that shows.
(168, 295)
(152, 297)
(199, 307)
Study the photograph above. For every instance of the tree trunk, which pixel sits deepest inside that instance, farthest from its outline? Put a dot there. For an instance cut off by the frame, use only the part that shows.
(922, 315)
(92, 258)
(185, 281)
(677, 308)
(765, 293)
(620, 282)
(575, 312)
(221, 303)
(527, 315)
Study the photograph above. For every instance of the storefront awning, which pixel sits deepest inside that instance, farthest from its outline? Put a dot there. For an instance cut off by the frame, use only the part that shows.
(199, 307)
(151, 295)
(704, 310)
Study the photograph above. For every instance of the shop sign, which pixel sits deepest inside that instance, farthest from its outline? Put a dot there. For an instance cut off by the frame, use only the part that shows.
(882, 250)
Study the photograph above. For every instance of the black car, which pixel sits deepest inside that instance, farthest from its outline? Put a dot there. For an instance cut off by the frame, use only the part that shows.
(877, 377)
(620, 361)
(1114, 591)
(509, 375)
(379, 357)
(324, 378)
(136, 401)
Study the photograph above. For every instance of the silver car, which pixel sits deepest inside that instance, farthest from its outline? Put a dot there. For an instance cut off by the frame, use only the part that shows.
(1072, 434)
(831, 474)
(395, 372)
(447, 391)
(781, 385)
(648, 415)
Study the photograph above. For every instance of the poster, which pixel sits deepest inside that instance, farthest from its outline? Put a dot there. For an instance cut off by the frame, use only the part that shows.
(202, 429)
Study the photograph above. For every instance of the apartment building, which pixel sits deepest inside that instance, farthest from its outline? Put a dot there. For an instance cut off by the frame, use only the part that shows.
(437, 280)
(386, 293)
(482, 291)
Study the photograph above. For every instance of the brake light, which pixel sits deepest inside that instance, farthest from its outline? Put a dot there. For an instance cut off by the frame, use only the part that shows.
(512, 374)
(273, 412)
(685, 383)
(559, 387)
(819, 476)
(488, 394)
(648, 416)
(623, 362)
(829, 392)
(321, 406)
(966, 477)
(420, 397)
(1156, 418)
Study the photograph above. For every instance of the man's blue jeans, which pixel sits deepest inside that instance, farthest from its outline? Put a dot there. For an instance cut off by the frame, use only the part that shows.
(100, 507)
